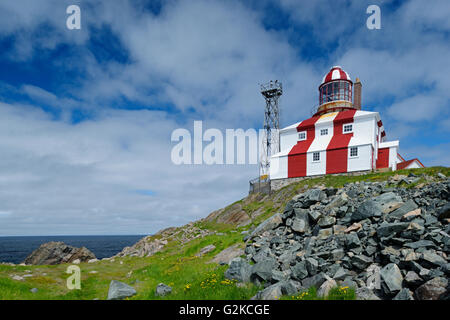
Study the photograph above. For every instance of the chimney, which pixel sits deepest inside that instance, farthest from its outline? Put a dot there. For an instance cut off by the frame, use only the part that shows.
(357, 94)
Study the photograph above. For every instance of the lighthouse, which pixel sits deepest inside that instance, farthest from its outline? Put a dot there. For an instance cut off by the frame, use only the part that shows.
(339, 138)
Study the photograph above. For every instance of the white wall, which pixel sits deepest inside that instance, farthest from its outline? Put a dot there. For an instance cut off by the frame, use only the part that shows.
(279, 167)
(393, 158)
(288, 139)
(316, 167)
(363, 161)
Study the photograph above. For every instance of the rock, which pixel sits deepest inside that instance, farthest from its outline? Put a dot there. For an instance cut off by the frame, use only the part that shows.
(433, 289)
(312, 266)
(352, 240)
(325, 288)
(269, 224)
(281, 275)
(442, 176)
(275, 291)
(367, 209)
(354, 227)
(76, 261)
(340, 274)
(338, 229)
(314, 215)
(420, 244)
(361, 262)
(325, 233)
(119, 290)
(206, 250)
(226, 255)
(412, 214)
(391, 279)
(315, 281)
(388, 229)
(53, 253)
(337, 202)
(299, 225)
(412, 280)
(365, 293)
(388, 201)
(93, 261)
(163, 290)
(17, 278)
(271, 293)
(444, 212)
(34, 290)
(408, 206)
(337, 254)
(299, 271)
(432, 259)
(239, 270)
(263, 269)
(403, 294)
(326, 221)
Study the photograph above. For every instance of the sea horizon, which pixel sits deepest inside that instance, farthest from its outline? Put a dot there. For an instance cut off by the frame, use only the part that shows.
(14, 249)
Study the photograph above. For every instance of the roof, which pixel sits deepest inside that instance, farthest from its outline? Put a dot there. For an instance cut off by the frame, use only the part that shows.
(405, 164)
(330, 117)
(336, 73)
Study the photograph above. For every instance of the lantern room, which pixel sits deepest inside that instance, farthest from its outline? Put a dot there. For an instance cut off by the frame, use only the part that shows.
(335, 92)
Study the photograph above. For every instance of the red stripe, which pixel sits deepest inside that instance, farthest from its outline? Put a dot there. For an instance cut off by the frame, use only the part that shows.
(343, 75)
(337, 150)
(297, 155)
(383, 158)
(380, 123)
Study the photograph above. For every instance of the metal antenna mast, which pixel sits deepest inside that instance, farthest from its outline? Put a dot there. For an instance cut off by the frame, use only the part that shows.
(272, 92)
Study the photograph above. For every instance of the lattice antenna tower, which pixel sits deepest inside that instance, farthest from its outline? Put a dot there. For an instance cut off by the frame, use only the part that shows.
(271, 92)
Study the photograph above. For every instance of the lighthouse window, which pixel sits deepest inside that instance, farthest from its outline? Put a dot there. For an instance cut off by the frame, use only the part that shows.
(353, 152)
(316, 156)
(302, 136)
(324, 132)
(348, 128)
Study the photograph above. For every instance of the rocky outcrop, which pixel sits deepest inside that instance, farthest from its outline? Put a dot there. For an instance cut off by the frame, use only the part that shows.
(226, 255)
(52, 253)
(386, 242)
(150, 245)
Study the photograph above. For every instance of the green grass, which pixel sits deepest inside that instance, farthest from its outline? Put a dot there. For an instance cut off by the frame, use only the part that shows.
(190, 277)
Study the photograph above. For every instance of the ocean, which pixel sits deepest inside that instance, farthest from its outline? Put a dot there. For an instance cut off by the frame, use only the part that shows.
(16, 249)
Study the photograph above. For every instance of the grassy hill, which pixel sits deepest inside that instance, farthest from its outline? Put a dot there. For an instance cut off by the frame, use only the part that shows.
(177, 264)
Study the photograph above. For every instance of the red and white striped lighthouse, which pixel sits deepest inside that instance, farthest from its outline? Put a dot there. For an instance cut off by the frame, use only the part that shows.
(339, 138)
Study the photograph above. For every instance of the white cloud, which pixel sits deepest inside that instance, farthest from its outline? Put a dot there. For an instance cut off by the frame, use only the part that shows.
(206, 59)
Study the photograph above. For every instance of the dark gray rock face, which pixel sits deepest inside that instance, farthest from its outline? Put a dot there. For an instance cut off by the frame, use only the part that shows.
(386, 243)
(119, 290)
(392, 279)
(239, 270)
(53, 253)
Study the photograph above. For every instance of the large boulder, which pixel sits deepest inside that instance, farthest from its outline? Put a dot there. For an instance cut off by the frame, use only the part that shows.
(53, 253)
(119, 290)
(239, 270)
(432, 290)
(226, 255)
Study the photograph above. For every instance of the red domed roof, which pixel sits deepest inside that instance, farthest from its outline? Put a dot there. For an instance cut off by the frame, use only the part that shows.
(336, 73)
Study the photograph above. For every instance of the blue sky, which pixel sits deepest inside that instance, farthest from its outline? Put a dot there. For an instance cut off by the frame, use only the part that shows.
(86, 115)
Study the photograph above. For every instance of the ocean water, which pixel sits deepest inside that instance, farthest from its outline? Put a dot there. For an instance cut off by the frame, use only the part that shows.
(16, 249)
